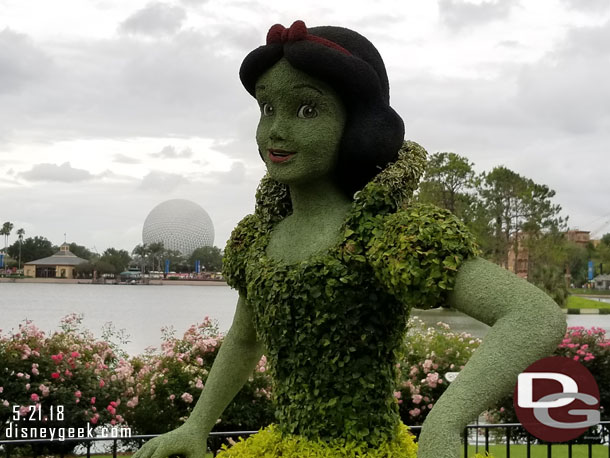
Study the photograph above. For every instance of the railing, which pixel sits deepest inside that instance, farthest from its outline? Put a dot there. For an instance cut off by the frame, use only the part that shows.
(508, 428)
(528, 440)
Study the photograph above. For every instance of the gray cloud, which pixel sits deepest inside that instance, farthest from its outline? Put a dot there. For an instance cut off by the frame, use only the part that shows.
(53, 172)
(564, 91)
(588, 5)
(170, 152)
(185, 86)
(124, 159)
(154, 19)
(193, 2)
(457, 14)
(162, 182)
(20, 61)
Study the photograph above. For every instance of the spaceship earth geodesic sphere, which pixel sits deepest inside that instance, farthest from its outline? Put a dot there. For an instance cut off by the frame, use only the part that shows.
(180, 224)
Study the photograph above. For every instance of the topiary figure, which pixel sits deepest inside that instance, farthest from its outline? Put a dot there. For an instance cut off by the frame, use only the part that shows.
(332, 261)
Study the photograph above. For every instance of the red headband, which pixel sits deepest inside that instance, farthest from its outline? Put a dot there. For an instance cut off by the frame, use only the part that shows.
(297, 32)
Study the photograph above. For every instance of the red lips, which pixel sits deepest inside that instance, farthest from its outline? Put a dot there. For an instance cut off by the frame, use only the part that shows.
(279, 155)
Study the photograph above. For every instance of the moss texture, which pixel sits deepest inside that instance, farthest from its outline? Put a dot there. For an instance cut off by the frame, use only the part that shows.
(333, 324)
(326, 283)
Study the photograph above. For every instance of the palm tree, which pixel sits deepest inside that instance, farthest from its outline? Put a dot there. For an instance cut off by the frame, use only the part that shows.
(6, 231)
(142, 251)
(20, 234)
(156, 250)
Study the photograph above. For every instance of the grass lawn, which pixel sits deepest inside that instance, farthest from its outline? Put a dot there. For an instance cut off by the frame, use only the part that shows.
(575, 302)
(592, 292)
(540, 451)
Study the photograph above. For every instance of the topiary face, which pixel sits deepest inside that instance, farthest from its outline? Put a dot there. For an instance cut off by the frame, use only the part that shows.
(301, 124)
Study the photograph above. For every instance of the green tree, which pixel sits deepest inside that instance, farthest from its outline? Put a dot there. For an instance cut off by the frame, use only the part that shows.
(210, 257)
(177, 261)
(601, 258)
(155, 251)
(20, 234)
(120, 259)
(141, 253)
(103, 267)
(81, 251)
(7, 227)
(577, 261)
(514, 204)
(446, 183)
(548, 258)
(32, 249)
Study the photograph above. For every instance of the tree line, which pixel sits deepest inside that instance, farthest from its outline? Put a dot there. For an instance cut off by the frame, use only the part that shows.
(509, 213)
(146, 257)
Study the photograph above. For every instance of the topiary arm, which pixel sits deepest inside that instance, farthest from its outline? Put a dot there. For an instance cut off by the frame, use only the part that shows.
(526, 326)
(238, 355)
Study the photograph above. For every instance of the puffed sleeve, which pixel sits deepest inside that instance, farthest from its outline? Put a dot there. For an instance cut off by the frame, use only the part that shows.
(416, 253)
(236, 253)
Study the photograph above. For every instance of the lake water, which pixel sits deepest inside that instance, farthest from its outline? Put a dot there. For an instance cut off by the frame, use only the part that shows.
(143, 310)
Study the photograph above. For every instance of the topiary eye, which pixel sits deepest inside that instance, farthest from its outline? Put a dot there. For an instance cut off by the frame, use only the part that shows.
(307, 111)
(267, 109)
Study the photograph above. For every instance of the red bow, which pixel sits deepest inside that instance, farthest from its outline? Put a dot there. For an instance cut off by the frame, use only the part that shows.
(298, 32)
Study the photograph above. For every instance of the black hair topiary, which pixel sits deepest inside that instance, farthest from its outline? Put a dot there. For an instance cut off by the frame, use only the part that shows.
(349, 63)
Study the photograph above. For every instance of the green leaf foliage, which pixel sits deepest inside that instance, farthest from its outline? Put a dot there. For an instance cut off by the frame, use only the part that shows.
(333, 324)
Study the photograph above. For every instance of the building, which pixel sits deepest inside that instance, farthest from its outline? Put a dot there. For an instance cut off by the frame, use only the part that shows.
(579, 237)
(522, 263)
(602, 281)
(61, 265)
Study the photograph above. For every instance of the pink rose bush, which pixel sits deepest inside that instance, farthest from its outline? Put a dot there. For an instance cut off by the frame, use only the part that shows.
(44, 372)
(591, 348)
(430, 352)
(167, 384)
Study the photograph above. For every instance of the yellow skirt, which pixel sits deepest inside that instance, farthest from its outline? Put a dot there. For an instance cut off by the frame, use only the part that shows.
(269, 443)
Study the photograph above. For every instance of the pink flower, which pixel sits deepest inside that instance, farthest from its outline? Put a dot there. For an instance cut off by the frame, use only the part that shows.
(95, 418)
(27, 386)
(102, 383)
(78, 394)
(414, 412)
(44, 390)
(111, 409)
(172, 397)
(5, 403)
(34, 397)
(75, 354)
(199, 384)
(416, 398)
(576, 358)
(1, 389)
(19, 374)
(55, 375)
(93, 400)
(187, 397)
(431, 379)
(397, 394)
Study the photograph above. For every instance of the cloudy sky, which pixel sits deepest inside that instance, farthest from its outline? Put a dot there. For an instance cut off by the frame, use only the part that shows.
(109, 107)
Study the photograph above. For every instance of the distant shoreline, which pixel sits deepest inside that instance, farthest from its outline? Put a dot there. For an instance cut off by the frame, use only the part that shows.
(74, 281)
